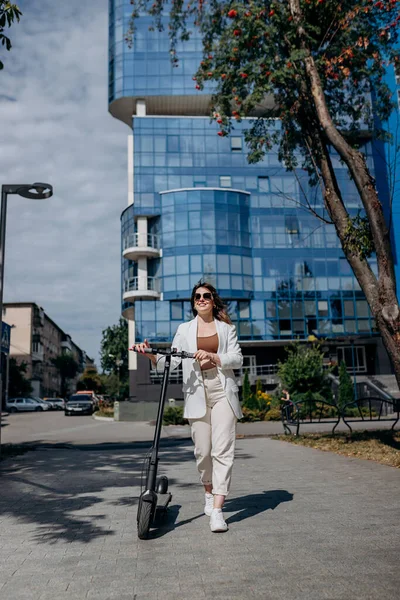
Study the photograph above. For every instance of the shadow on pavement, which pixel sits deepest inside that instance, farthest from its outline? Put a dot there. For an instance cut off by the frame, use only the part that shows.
(246, 507)
(67, 490)
(254, 504)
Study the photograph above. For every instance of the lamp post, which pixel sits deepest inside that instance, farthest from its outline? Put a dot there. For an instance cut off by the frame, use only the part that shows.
(35, 191)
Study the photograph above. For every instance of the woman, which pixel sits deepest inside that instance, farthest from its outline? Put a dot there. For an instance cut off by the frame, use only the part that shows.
(211, 394)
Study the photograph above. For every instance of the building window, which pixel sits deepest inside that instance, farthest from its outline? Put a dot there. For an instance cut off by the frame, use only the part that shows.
(225, 181)
(199, 182)
(353, 357)
(292, 225)
(176, 311)
(263, 184)
(244, 310)
(172, 143)
(236, 144)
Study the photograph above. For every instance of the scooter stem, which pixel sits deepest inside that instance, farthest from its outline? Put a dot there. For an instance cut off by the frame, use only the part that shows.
(151, 483)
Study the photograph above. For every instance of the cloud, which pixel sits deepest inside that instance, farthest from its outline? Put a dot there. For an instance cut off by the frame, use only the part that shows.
(63, 253)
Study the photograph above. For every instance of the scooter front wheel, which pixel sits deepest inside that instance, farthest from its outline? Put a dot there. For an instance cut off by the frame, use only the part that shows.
(145, 518)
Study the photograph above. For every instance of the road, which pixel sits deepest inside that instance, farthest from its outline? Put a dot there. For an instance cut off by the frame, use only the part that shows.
(55, 428)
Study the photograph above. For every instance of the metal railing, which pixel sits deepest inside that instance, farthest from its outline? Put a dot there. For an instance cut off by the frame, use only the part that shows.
(141, 240)
(140, 283)
(254, 373)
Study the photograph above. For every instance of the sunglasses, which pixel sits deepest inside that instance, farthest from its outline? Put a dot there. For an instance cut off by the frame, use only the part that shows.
(206, 296)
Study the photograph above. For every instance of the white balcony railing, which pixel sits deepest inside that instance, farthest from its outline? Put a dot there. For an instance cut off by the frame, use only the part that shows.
(141, 240)
(142, 284)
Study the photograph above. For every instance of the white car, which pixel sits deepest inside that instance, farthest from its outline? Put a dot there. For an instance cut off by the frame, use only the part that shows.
(55, 403)
(25, 404)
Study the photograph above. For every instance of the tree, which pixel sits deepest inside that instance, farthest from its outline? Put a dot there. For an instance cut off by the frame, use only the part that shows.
(317, 68)
(8, 14)
(114, 348)
(114, 357)
(247, 394)
(346, 389)
(90, 380)
(303, 373)
(18, 384)
(67, 368)
(114, 387)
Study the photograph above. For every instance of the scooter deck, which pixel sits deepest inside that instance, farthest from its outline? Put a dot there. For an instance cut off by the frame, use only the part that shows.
(163, 500)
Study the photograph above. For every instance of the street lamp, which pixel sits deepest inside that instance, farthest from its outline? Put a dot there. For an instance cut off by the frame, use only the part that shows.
(34, 191)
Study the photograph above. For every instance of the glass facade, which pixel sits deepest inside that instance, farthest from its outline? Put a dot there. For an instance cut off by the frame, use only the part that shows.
(281, 270)
(242, 227)
(145, 69)
(388, 176)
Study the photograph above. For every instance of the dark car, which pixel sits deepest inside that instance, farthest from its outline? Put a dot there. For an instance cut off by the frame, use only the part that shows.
(78, 404)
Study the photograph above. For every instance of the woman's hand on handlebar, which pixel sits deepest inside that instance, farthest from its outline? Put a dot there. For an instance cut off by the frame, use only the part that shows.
(140, 348)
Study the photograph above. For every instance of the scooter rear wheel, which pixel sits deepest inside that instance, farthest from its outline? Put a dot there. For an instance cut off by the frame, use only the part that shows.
(145, 519)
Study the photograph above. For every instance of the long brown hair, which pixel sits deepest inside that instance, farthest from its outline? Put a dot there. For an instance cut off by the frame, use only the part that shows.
(219, 311)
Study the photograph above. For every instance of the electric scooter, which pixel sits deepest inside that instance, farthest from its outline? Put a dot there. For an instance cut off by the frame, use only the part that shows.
(155, 495)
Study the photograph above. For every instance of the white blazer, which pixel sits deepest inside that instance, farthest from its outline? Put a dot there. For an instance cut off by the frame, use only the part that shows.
(230, 356)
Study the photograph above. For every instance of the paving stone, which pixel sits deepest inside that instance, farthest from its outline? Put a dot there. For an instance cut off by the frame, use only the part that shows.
(303, 525)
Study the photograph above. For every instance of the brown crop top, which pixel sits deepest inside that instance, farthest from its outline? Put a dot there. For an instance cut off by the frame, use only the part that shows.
(209, 344)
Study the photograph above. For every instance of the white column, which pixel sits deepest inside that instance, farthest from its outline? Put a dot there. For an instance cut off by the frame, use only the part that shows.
(140, 108)
(142, 230)
(142, 273)
(132, 363)
(131, 196)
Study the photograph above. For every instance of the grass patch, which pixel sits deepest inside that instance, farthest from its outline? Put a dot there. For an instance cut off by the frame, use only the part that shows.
(380, 446)
(105, 412)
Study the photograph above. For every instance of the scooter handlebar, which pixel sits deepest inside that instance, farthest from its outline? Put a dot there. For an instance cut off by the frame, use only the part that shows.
(166, 352)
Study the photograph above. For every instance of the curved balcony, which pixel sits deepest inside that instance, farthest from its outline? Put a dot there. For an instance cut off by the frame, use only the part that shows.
(137, 288)
(138, 245)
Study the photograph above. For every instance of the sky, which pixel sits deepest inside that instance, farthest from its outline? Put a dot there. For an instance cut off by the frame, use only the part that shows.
(63, 253)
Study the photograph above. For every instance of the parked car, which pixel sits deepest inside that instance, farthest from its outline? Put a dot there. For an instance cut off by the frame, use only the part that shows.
(41, 402)
(94, 397)
(55, 403)
(79, 404)
(25, 404)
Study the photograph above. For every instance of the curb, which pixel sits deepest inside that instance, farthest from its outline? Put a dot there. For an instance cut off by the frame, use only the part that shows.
(96, 418)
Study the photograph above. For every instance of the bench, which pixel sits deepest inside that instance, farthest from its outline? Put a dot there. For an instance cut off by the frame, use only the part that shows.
(307, 412)
(371, 410)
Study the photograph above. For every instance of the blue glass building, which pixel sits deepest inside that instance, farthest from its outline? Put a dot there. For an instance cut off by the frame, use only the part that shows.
(197, 209)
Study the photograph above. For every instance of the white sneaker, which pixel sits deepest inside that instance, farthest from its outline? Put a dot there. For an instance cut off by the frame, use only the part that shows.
(209, 505)
(217, 521)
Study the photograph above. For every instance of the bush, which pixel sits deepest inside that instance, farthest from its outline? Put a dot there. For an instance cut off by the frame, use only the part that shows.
(346, 389)
(274, 414)
(355, 412)
(303, 373)
(173, 415)
(251, 416)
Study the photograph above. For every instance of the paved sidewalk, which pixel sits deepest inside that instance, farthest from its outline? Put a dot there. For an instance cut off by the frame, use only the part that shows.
(304, 525)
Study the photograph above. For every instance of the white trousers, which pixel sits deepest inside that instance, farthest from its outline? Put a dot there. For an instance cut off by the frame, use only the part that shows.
(214, 436)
